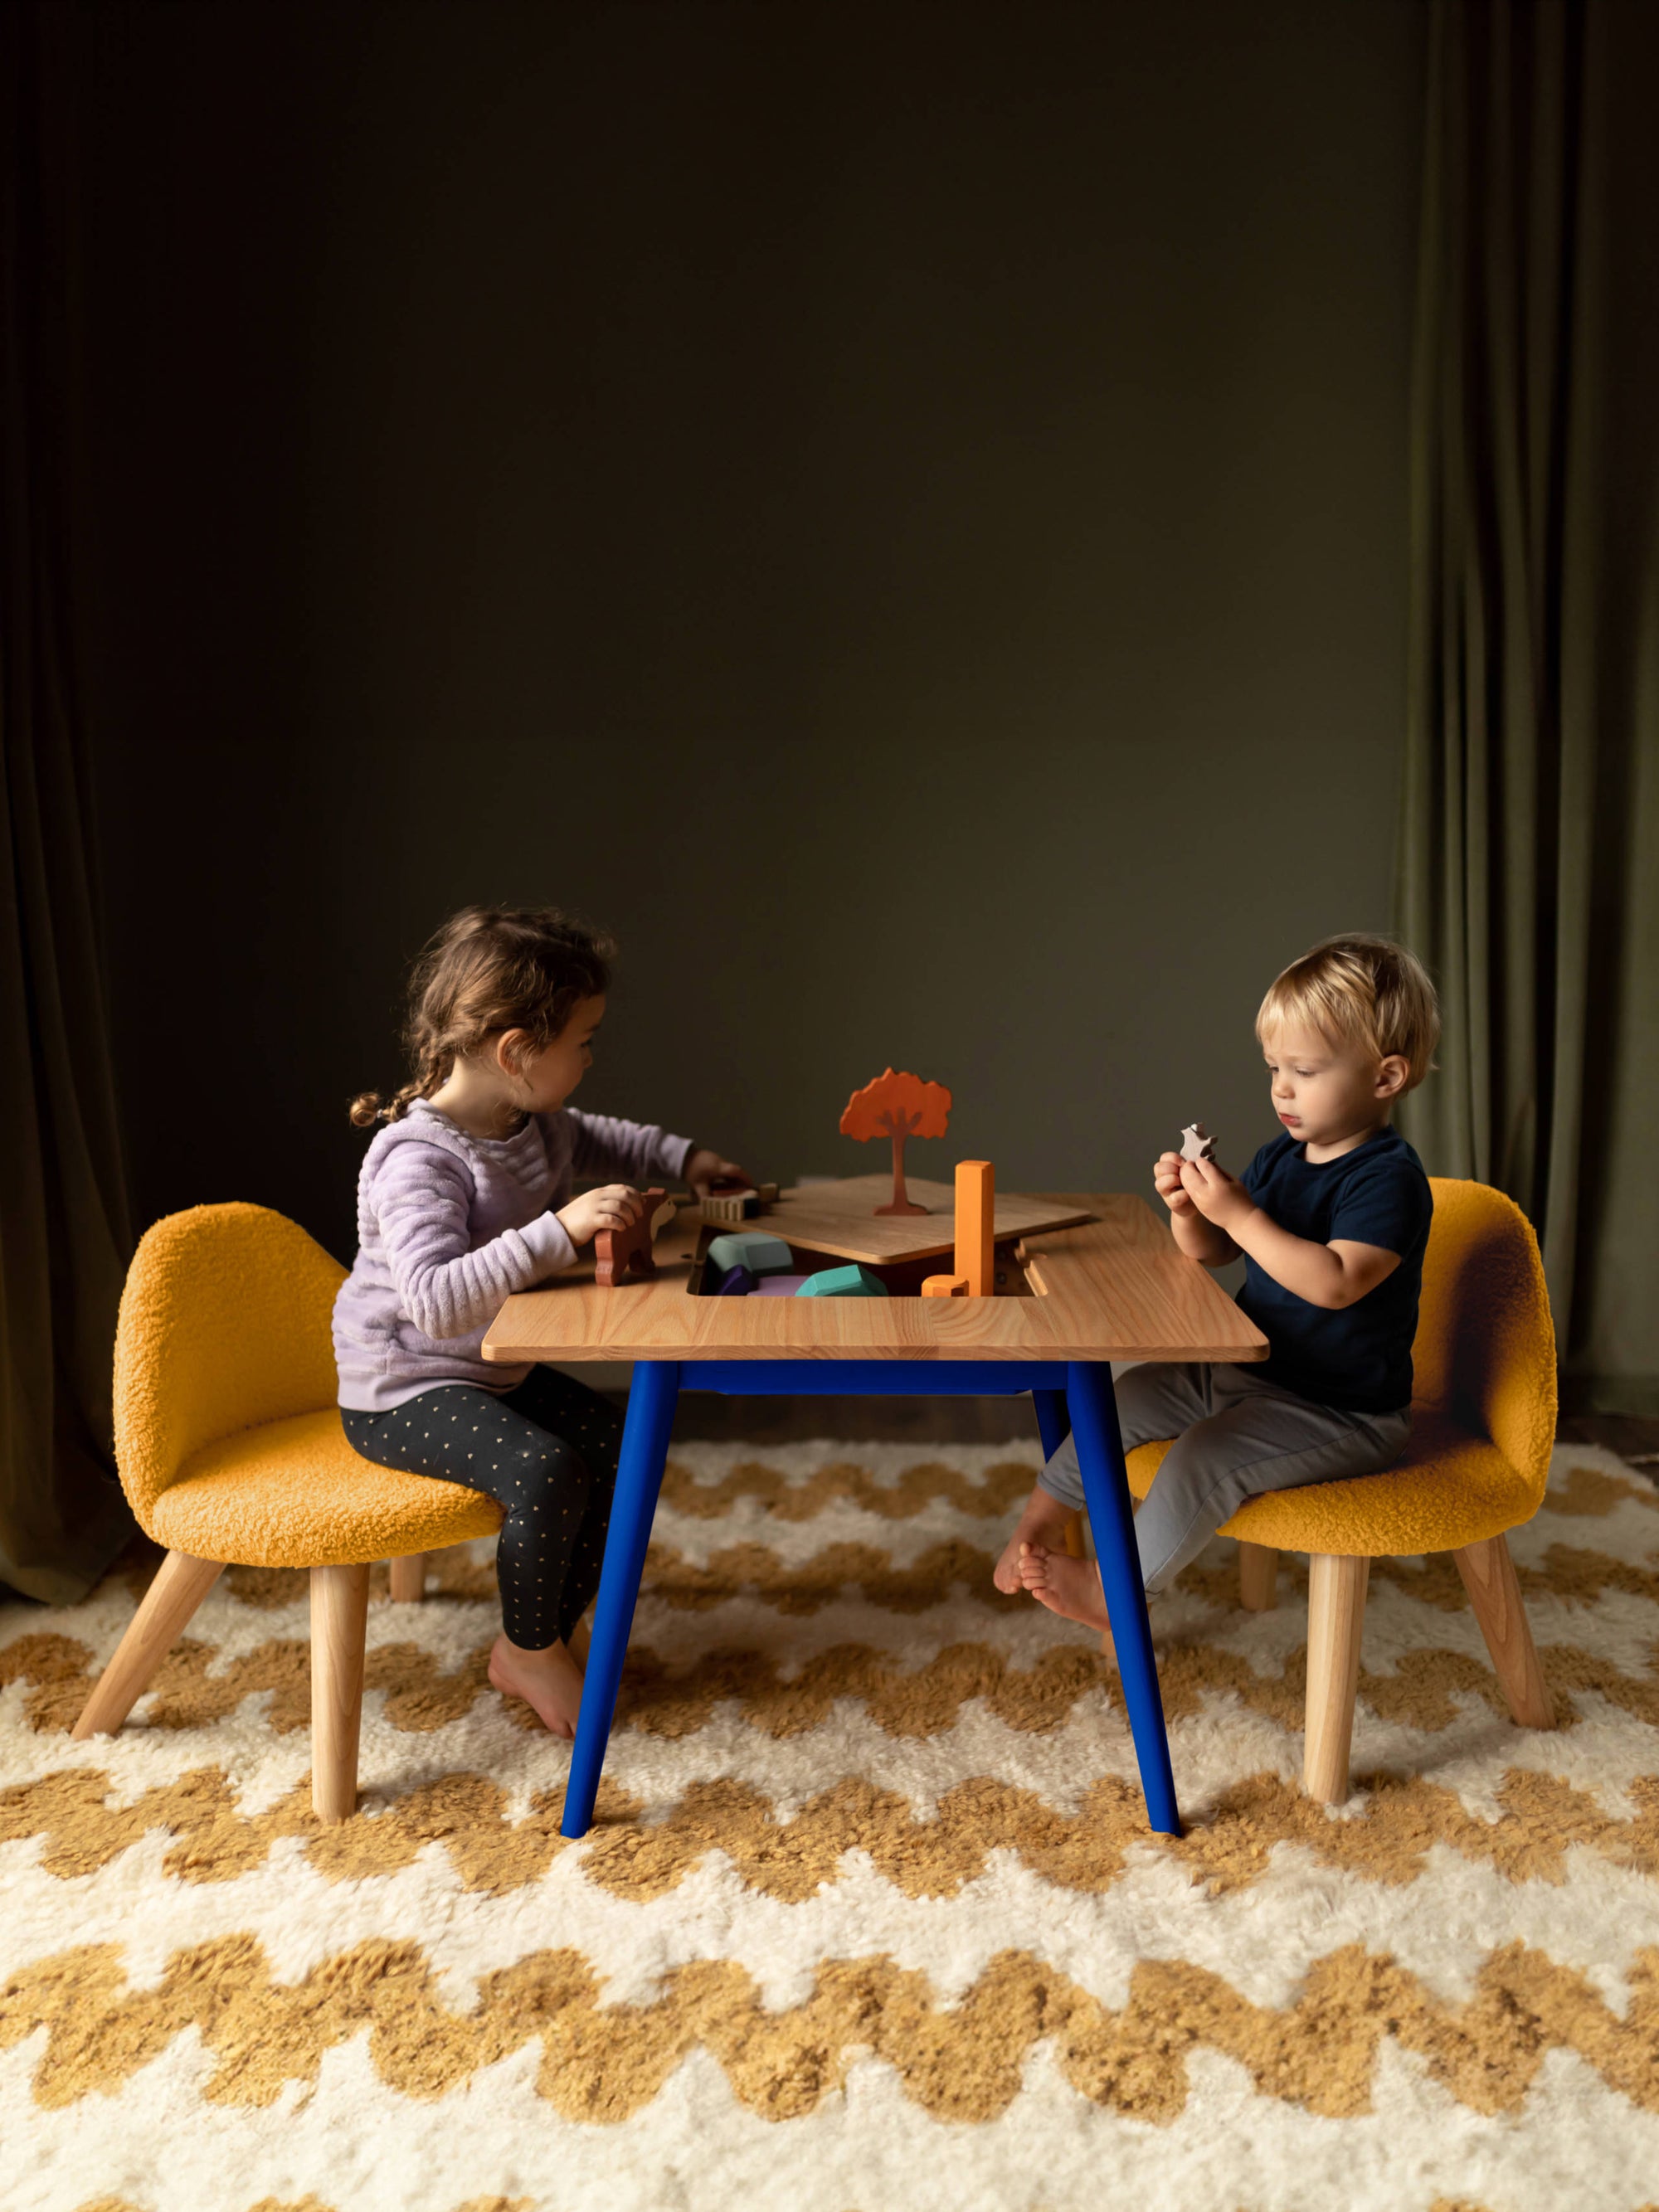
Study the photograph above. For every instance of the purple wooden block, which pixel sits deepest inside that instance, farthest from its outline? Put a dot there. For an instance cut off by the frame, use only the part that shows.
(778, 1286)
(735, 1283)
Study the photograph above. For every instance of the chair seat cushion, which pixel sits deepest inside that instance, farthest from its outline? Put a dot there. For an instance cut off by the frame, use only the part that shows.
(294, 1494)
(1452, 1487)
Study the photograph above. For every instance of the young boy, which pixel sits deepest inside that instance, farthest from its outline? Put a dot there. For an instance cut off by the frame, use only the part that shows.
(1331, 1219)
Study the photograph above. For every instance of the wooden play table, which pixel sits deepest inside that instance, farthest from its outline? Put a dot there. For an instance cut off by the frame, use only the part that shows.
(1111, 1286)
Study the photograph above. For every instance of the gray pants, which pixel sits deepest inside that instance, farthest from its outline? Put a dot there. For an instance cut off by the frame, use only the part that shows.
(1234, 1437)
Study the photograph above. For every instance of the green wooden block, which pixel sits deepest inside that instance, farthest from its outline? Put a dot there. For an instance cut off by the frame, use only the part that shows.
(762, 1255)
(854, 1282)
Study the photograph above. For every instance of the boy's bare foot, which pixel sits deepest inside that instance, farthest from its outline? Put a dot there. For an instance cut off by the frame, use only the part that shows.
(1067, 1586)
(550, 1682)
(1043, 1522)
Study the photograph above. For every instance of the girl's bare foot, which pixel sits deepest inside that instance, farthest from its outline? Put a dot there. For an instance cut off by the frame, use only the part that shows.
(1043, 1522)
(550, 1681)
(1067, 1586)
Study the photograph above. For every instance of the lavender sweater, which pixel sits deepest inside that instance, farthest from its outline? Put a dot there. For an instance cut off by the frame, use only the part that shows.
(449, 1225)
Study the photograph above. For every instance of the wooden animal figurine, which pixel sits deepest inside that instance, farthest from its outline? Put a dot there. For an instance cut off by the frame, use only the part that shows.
(619, 1253)
(1195, 1145)
(899, 1107)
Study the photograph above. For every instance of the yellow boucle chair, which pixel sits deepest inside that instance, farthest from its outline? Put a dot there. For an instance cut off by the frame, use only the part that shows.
(228, 1440)
(1483, 1421)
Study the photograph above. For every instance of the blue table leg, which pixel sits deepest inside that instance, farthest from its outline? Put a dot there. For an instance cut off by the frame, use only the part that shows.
(1054, 1423)
(651, 1403)
(1106, 1488)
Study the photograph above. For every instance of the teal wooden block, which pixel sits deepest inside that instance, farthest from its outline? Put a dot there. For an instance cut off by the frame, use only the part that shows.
(762, 1255)
(854, 1282)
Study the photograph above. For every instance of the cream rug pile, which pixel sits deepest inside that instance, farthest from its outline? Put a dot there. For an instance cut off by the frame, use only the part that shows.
(872, 1918)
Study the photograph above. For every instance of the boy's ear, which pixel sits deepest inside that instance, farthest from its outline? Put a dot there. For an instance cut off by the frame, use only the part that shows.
(1392, 1075)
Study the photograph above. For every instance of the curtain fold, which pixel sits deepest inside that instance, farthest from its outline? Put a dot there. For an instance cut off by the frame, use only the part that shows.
(63, 1230)
(1530, 818)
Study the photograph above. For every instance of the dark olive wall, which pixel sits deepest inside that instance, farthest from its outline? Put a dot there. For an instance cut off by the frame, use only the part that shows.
(899, 511)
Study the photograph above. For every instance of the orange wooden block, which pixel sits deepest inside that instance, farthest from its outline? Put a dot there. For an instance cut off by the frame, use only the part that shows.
(976, 1207)
(944, 1287)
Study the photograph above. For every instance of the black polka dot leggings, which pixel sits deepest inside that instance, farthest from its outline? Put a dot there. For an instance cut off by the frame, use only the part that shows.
(548, 1451)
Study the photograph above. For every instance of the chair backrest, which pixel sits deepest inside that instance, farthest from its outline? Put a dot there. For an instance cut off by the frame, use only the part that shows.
(1484, 1349)
(224, 1324)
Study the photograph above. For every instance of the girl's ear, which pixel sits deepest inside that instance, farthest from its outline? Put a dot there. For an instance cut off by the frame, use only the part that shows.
(1391, 1075)
(510, 1052)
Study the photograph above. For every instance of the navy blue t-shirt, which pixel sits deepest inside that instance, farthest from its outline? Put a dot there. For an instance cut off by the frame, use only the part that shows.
(1357, 1356)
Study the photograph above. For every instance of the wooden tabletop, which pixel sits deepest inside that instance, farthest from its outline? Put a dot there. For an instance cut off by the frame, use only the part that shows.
(1114, 1288)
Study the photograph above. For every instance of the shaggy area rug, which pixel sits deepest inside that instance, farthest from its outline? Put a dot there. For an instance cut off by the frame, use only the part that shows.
(871, 1917)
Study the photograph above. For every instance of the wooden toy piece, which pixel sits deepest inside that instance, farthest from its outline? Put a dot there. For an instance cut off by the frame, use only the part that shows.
(899, 1107)
(1195, 1145)
(840, 1220)
(754, 1249)
(853, 1282)
(735, 1283)
(730, 1208)
(976, 1207)
(944, 1287)
(780, 1287)
(619, 1253)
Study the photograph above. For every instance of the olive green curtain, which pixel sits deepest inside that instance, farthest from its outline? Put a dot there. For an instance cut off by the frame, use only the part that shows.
(1530, 849)
(62, 1211)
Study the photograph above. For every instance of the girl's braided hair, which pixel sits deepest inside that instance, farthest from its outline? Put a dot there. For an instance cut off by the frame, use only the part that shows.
(490, 969)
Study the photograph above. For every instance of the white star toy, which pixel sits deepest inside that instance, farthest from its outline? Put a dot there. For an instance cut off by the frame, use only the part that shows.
(1195, 1143)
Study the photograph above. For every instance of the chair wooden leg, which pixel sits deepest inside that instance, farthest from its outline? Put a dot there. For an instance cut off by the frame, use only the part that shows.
(1336, 1616)
(339, 1613)
(409, 1578)
(1488, 1577)
(180, 1584)
(1072, 1537)
(1258, 1577)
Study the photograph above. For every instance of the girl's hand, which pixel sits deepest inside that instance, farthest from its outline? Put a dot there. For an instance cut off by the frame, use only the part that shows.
(1166, 1181)
(1220, 1197)
(615, 1206)
(706, 1171)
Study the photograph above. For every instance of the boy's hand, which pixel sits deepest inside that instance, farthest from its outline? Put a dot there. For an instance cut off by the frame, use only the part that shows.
(1220, 1197)
(706, 1171)
(615, 1206)
(1166, 1181)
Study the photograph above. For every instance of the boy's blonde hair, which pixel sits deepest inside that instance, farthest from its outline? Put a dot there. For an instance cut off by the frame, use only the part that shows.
(1360, 990)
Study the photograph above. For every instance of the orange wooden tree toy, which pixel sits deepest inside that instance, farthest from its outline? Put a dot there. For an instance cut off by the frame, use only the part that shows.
(897, 1106)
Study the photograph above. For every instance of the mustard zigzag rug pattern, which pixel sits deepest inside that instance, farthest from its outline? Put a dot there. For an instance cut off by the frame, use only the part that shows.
(870, 1917)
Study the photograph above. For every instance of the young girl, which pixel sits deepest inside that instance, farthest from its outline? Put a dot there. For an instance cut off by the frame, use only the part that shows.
(464, 1196)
